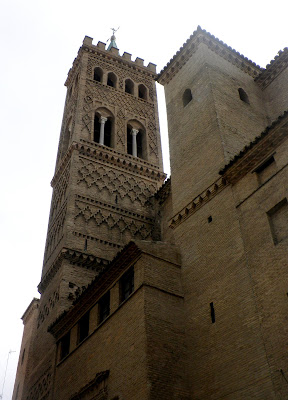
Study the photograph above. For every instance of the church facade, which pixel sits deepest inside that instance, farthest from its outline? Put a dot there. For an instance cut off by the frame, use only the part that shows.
(175, 289)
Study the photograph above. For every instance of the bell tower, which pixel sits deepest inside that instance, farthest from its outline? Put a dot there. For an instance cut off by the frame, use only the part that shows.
(109, 165)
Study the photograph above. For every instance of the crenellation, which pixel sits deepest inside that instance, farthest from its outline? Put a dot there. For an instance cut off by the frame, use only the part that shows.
(174, 291)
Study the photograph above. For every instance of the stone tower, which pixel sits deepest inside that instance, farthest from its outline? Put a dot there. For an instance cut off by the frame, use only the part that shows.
(108, 166)
(230, 224)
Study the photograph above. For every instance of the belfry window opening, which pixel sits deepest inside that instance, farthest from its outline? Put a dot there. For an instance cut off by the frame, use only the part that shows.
(111, 79)
(129, 86)
(102, 130)
(142, 92)
(98, 74)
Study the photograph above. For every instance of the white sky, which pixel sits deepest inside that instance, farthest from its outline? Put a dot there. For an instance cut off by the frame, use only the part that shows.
(39, 40)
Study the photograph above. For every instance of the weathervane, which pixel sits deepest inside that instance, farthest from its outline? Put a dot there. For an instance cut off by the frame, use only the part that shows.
(113, 39)
(114, 30)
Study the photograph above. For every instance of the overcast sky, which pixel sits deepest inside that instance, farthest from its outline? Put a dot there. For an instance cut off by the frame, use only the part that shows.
(39, 40)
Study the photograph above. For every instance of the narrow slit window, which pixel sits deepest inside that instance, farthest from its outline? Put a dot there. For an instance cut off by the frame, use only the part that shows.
(83, 327)
(212, 312)
(127, 284)
(65, 346)
(104, 307)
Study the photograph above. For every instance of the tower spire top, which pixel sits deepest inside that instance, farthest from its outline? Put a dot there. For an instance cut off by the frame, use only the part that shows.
(113, 39)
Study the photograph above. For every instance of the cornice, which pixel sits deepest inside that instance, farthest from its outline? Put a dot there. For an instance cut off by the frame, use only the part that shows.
(115, 209)
(112, 157)
(29, 311)
(84, 260)
(261, 147)
(214, 44)
(198, 202)
(87, 299)
(276, 66)
(120, 160)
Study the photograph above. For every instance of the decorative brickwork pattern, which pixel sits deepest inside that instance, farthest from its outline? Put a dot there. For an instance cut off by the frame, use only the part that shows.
(41, 389)
(59, 193)
(137, 229)
(137, 108)
(121, 124)
(55, 232)
(45, 309)
(116, 182)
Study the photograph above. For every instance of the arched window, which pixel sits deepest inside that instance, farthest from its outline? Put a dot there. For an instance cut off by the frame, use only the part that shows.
(98, 74)
(187, 97)
(135, 134)
(129, 86)
(142, 92)
(104, 123)
(111, 79)
(243, 96)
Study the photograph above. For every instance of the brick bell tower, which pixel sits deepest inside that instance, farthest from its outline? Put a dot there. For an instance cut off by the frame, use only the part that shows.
(108, 166)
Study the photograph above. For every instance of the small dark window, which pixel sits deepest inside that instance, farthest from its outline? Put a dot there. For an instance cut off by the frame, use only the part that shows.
(129, 86)
(104, 307)
(65, 346)
(243, 96)
(142, 92)
(83, 328)
(187, 97)
(111, 79)
(265, 165)
(209, 219)
(212, 311)
(126, 284)
(98, 74)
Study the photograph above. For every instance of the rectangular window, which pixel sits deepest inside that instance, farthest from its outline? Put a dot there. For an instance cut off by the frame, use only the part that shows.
(126, 284)
(65, 346)
(104, 307)
(83, 327)
(278, 220)
(266, 169)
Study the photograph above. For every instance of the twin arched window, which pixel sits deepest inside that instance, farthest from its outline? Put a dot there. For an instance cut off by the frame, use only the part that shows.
(103, 133)
(111, 77)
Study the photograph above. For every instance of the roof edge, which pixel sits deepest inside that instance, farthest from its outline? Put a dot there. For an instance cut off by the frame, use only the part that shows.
(218, 46)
